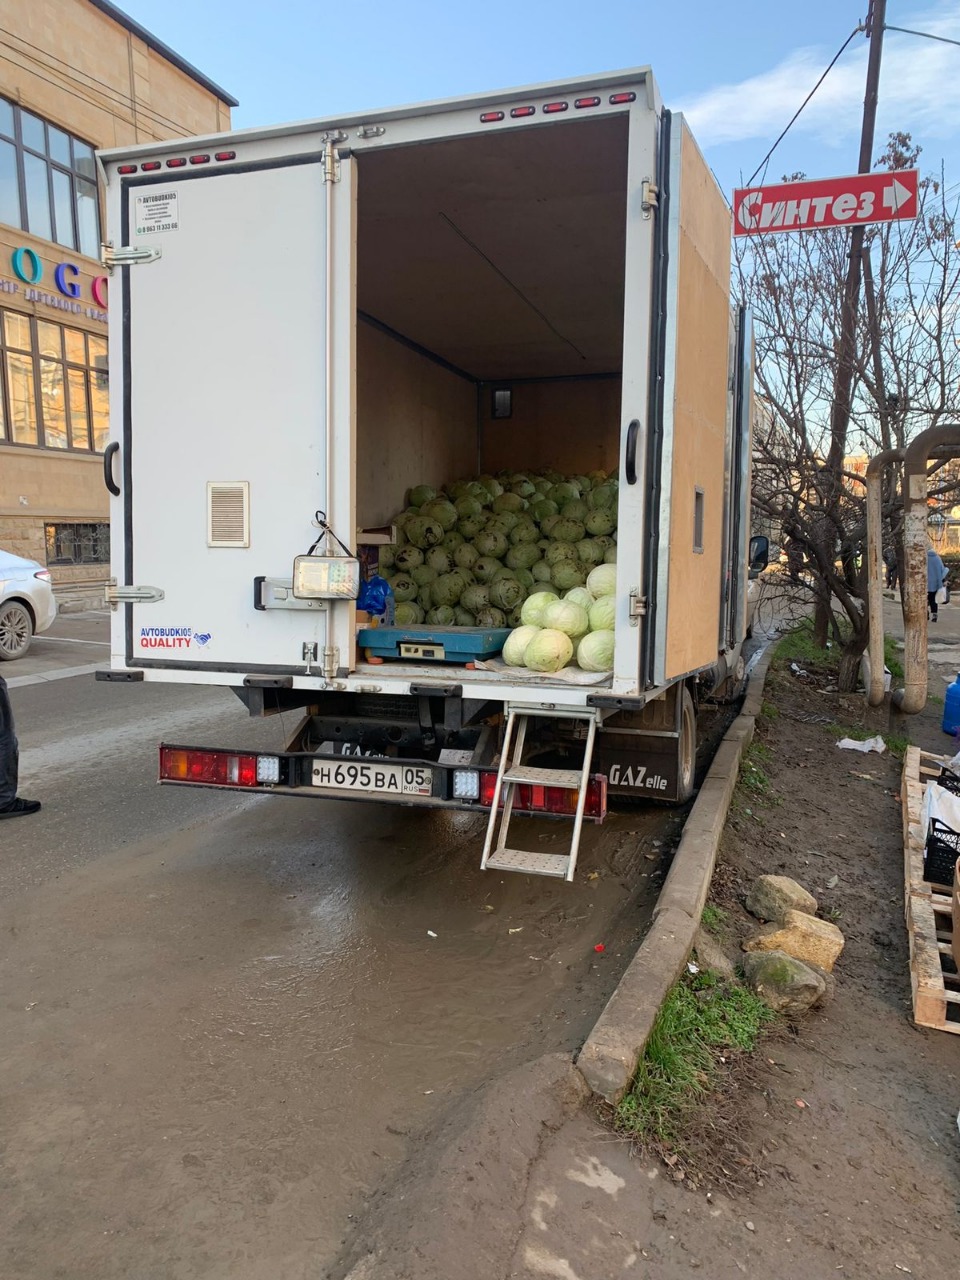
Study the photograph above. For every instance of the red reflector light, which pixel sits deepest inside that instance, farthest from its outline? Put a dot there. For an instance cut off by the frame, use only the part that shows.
(622, 97)
(586, 102)
(551, 108)
(225, 155)
(517, 112)
(149, 165)
(528, 798)
(222, 768)
(199, 159)
(176, 163)
(126, 168)
(489, 117)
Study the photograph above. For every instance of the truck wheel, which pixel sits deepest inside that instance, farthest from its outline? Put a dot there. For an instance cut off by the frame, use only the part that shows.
(16, 630)
(686, 748)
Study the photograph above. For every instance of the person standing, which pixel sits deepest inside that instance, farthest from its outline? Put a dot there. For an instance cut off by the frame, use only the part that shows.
(11, 805)
(890, 563)
(936, 577)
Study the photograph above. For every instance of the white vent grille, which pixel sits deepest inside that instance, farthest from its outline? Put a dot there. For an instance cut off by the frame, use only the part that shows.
(228, 514)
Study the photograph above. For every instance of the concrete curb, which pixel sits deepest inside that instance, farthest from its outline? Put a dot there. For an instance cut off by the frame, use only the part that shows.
(609, 1057)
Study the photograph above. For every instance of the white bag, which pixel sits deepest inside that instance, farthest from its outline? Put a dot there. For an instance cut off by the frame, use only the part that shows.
(941, 596)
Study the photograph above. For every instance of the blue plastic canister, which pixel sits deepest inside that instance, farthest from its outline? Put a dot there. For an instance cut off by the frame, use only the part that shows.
(951, 708)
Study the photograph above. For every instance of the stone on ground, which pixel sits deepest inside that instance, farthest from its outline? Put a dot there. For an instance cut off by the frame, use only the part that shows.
(786, 984)
(802, 936)
(773, 896)
(710, 955)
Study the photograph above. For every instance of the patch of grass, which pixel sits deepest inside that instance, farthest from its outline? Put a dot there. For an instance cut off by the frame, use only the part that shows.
(753, 775)
(897, 743)
(714, 918)
(935, 699)
(798, 646)
(769, 711)
(702, 1020)
(891, 657)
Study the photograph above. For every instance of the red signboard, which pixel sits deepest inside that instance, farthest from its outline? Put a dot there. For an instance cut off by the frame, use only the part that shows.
(825, 202)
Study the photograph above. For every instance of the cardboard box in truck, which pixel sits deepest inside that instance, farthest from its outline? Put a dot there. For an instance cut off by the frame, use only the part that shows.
(309, 321)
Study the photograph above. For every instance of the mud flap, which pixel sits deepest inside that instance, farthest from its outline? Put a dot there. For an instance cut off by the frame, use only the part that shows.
(639, 751)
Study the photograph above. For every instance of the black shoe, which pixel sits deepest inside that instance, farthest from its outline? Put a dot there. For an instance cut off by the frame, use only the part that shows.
(19, 807)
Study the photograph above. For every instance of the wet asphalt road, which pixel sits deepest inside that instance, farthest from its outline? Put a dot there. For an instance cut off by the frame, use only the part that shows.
(223, 1019)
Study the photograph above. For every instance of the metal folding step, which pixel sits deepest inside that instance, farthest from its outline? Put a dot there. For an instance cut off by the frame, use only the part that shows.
(512, 773)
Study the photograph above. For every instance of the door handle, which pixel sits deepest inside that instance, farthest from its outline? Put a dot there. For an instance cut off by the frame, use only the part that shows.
(630, 459)
(108, 454)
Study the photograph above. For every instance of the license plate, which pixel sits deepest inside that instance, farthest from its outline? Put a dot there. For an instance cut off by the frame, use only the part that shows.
(390, 779)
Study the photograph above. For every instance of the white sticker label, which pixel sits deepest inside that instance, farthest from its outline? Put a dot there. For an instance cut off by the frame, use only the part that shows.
(157, 212)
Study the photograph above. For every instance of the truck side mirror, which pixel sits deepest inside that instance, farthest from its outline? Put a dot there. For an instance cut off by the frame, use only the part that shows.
(758, 556)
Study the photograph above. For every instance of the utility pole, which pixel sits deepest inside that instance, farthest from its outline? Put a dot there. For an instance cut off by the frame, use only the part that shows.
(846, 355)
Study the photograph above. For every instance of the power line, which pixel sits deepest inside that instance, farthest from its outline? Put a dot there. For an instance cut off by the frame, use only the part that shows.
(856, 31)
(115, 97)
(927, 35)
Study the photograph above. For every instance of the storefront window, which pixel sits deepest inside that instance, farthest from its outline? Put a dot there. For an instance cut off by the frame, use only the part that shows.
(47, 181)
(53, 385)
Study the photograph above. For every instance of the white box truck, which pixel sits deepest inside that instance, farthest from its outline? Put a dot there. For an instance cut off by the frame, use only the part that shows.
(315, 318)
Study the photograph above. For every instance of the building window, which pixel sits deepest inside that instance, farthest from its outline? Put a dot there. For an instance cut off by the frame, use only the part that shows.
(48, 181)
(78, 543)
(53, 385)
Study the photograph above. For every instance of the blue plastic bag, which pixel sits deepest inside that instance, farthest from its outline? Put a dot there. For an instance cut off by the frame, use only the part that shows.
(375, 597)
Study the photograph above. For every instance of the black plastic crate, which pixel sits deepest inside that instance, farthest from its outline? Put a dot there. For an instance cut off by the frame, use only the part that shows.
(949, 781)
(940, 853)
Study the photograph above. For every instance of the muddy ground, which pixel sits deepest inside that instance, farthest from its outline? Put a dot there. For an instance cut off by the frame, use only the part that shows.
(846, 1125)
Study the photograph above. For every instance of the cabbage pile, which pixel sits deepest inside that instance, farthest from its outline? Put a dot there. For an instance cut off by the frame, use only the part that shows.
(477, 552)
(579, 624)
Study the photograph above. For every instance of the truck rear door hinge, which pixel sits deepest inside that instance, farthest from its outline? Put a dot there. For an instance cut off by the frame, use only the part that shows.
(331, 161)
(115, 594)
(649, 197)
(371, 131)
(638, 607)
(127, 255)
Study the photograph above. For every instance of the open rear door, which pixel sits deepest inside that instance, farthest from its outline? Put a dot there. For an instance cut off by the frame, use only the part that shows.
(687, 498)
(226, 365)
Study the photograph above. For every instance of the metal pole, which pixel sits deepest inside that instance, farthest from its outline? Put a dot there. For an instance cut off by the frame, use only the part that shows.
(843, 380)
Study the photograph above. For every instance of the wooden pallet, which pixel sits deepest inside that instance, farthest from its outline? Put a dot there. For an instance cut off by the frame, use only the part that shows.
(934, 976)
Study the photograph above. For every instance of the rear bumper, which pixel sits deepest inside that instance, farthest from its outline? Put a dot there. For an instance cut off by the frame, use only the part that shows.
(45, 607)
(463, 786)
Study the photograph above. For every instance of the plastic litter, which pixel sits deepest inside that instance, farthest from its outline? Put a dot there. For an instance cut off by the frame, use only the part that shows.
(431, 934)
(599, 947)
(870, 744)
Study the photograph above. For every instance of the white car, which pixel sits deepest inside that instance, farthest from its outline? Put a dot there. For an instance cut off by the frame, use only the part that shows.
(27, 604)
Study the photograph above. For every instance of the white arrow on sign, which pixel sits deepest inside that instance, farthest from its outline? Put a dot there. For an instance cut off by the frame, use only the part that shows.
(896, 196)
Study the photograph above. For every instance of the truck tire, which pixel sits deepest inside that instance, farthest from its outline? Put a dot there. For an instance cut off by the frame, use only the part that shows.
(686, 748)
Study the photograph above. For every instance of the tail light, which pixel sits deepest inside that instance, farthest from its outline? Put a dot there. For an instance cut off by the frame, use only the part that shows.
(219, 768)
(617, 98)
(560, 801)
(177, 162)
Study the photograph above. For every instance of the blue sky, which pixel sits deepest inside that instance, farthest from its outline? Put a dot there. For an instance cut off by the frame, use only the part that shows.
(738, 71)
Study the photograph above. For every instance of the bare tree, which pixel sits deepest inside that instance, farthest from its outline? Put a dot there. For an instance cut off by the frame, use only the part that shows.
(808, 482)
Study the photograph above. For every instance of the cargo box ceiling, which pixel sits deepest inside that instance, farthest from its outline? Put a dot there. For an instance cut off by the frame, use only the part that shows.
(501, 253)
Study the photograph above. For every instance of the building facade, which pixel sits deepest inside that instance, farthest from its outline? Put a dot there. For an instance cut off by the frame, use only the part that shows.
(75, 76)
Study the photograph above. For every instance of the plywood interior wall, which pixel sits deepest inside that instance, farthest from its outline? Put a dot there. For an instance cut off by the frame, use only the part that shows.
(416, 424)
(572, 426)
(699, 414)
